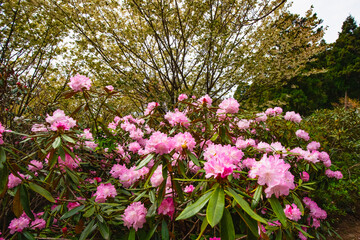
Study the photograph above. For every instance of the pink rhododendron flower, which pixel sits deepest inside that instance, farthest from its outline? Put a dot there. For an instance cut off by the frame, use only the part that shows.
(79, 82)
(273, 172)
(215, 238)
(38, 223)
(167, 207)
(241, 144)
(110, 88)
(182, 97)
(69, 162)
(229, 105)
(35, 166)
(189, 189)
(221, 160)
(292, 212)
(127, 176)
(157, 178)
(183, 141)
(315, 210)
(261, 117)
(134, 147)
(72, 205)
(304, 176)
(331, 174)
(177, 118)
(160, 143)
(264, 147)
(59, 121)
(18, 224)
(244, 124)
(14, 181)
(313, 146)
(302, 134)
(135, 215)
(104, 191)
(150, 107)
(292, 116)
(39, 128)
(205, 100)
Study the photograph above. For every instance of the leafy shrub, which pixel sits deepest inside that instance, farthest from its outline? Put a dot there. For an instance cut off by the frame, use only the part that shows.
(210, 170)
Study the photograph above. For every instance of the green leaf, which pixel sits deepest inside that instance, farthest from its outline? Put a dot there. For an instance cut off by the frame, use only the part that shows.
(68, 139)
(104, 229)
(2, 157)
(193, 158)
(227, 229)
(215, 208)
(278, 210)
(4, 174)
(132, 234)
(145, 161)
(256, 197)
(42, 191)
(152, 210)
(204, 224)
(245, 205)
(298, 203)
(57, 143)
(28, 235)
(89, 228)
(179, 190)
(194, 208)
(72, 212)
(151, 232)
(214, 137)
(24, 200)
(73, 176)
(139, 196)
(164, 231)
(303, 232)
(89, 212)
(279, 235)
(250, 223)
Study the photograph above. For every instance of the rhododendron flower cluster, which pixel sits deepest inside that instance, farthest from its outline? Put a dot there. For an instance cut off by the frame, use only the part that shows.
(292, 212)
(127, 176)
(19, 224)
(104, 191)
(302, 134)
(69, 162)
(167, 207)
(79, 82)
(205, 100)
(273, 172)
(150, 107)
(35, 165)
(177, 118)
(292, 116)
(229, 105)
(332, 174)
(14, 181)
(135, 215)
(221, 161)
(59, 121)
(315, 212)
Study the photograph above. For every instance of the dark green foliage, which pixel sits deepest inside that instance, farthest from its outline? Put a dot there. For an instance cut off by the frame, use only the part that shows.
(339, 132)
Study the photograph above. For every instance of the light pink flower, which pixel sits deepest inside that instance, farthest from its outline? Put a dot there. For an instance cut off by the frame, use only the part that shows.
(313, 146)
(229, 105)
(182, 97)
(39, 128)
(79, 82)
(177, 118)
(302, 134)
(160, 143)
(35, 165)
(261, 117)
(150, 107)
(134, 147)
(104, 191)
(110, 88)
(205, 100)
(244, 124)
(292, 116)
(59, 121)
(70, 162)
(135, 215)
(38, 223)
(127, 176)
(183, 141)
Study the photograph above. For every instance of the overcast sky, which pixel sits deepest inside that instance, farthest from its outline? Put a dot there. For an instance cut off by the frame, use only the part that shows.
(332, 12)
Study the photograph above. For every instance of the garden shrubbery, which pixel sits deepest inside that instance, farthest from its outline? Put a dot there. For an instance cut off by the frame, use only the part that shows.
(197, 172)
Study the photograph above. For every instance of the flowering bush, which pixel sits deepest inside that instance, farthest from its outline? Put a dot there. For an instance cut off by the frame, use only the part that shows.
(196, 167)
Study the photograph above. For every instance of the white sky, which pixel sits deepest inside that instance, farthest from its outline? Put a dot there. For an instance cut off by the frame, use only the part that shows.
(332, 12)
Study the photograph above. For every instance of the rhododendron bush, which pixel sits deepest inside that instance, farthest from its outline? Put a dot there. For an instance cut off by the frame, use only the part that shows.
(197, 171)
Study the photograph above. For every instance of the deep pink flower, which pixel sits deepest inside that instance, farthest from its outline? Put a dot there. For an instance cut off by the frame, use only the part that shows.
(135, 215)
(18, 224)
(167, 207)
(79, 82)
(38, 223)
(292, 212)
(35, 165)
(59, 121)
(14, 181)
(189, 189)
(304, 176)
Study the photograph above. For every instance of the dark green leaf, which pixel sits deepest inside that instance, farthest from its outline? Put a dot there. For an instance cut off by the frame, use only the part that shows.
(250, 223)
(215, 208)
(278, 210)
(28, 235)
(151, 232)
(24, 200)
(89, 228)
(104, 229)
(42, 191)
(132, 234)
(164, 231)
(256, 197)
(73, 176)
(68, 139)
(227, 229)
(4, 174)
(72, 212)
(89, 212)
(245, 205)
(194, 208)
(2, 157)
